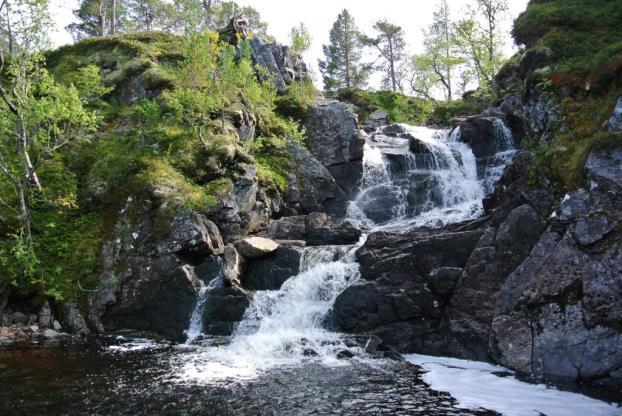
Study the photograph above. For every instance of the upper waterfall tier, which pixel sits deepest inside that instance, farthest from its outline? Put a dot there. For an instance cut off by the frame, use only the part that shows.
(417, 176)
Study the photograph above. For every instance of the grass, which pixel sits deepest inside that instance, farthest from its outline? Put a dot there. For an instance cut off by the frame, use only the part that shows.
(401, 108)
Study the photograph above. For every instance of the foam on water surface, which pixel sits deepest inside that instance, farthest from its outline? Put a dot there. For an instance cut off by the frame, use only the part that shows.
(475, 385)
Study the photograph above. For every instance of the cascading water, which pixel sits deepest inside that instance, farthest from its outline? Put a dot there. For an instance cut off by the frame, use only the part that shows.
(399, 189)
(195, 327)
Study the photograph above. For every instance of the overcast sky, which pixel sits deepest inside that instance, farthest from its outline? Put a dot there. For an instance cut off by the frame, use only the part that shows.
(319, 15)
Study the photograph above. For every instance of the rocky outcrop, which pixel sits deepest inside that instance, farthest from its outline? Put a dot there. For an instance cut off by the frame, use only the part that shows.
(311, 187)
(334, 138)
(378, 118)
(558, 315)
(315, 229)
(535, 285)
(245, 207)
(399, 297)
(152, 267)
(283, 67)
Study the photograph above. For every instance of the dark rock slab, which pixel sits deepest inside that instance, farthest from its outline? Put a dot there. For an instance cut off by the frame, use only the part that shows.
(270, 272)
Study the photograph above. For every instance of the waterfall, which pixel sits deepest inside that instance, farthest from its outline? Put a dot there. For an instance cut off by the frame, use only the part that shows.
(437, 186)
(399, 189)
(195, 327)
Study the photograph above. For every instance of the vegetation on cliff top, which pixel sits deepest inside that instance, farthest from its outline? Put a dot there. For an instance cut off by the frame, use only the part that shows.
(577, 49)
(162, 109)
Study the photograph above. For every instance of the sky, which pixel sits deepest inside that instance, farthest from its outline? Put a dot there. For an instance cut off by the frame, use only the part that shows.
(413, 15)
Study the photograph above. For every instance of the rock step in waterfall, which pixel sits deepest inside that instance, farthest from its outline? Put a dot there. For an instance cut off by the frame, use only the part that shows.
(435, 185)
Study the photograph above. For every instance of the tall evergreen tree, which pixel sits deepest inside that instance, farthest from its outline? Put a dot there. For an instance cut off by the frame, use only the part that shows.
(390, 44)
(98, 18)
(342, 67)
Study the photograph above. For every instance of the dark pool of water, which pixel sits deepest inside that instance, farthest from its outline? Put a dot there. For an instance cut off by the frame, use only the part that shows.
(86, 378)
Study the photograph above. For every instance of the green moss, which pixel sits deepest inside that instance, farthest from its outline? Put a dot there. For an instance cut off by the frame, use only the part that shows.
(583, 42)
(170, 186)
(297, 100)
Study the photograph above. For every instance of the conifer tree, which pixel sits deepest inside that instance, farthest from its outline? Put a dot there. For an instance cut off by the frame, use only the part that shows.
(342, 67)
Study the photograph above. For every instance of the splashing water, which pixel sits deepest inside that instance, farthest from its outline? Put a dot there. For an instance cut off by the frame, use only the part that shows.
(285, 326)
(434, 187)
(195, 328)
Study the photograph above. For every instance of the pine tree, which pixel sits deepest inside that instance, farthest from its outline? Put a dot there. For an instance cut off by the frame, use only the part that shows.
(342, 66)
(390, 44)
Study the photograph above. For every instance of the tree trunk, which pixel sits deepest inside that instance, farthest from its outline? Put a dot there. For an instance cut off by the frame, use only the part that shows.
(113, 22)
(207, 6)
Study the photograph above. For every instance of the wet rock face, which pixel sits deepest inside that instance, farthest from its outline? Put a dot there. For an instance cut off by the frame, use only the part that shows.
(312, 188)
(270, 272)
(483, 135)
(334, 138)
(405, 280)
(315, 229)
(224, 309)
(152, 268)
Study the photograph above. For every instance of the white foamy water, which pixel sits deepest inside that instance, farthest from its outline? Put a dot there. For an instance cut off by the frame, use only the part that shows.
(282, 327)
(474, 385)
(434, 188)
(195, 327)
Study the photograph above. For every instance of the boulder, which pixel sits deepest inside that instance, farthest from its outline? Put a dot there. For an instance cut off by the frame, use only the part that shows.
(333, 135)
(615, 122)
(315, 229)
(485, 135)
(312, 188)
(334, 138)
(375, 120)
(270, 272)
(605, 164)
(256, 247)
(394, 130)
(224, 309)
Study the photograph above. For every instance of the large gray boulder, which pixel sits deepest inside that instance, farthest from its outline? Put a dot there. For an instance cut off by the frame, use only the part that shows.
(334, 138)
(311, 187)
(315, 229)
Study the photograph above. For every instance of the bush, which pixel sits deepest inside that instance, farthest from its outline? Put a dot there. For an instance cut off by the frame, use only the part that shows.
(401, 108)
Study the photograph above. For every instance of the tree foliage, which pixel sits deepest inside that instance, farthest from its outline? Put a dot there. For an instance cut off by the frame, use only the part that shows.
(390, 44)
(342, 67)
